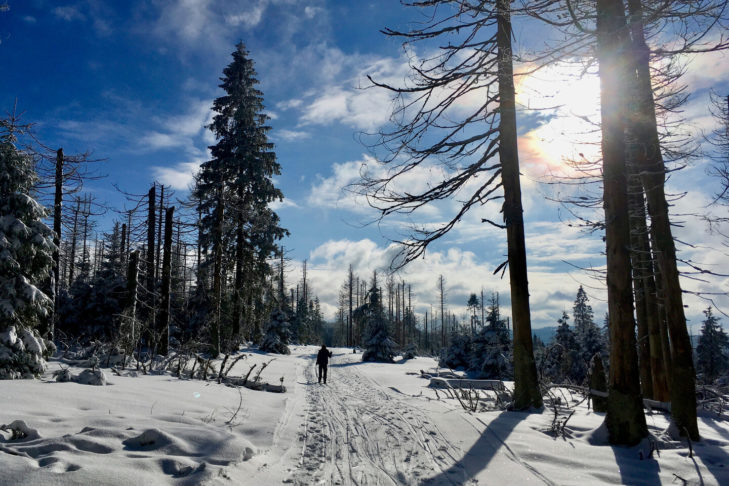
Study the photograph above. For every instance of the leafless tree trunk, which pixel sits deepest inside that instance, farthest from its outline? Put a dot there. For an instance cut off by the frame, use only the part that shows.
(163, 330)
(57, 212)
(625, 419)
(132, 273)
(643, 124)
(526, 385)
(638, 258)
(74, 238)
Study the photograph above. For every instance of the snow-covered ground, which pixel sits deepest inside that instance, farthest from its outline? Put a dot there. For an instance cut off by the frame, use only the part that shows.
(371, 424)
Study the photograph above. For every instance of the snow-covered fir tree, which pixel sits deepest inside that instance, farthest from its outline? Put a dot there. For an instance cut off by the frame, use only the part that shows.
(276, 338)
(26, 249)
(458, 353)
(562, 358)
(712, 353)
(377, 343)
(491, 346)
(589, 338)
(234, 191)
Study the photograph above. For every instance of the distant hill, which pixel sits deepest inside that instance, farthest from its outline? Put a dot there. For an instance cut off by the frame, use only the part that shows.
(545, 333)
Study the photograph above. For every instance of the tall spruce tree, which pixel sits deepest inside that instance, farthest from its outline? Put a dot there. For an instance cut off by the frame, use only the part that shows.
(234, 190)
(26, 258)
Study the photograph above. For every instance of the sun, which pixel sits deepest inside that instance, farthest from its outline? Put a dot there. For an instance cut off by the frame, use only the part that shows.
(564, 105)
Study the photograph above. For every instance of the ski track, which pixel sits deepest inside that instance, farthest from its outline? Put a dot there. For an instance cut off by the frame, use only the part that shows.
(355, 433)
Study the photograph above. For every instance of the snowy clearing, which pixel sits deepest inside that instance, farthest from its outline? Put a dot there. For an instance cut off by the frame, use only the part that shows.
(373, 423)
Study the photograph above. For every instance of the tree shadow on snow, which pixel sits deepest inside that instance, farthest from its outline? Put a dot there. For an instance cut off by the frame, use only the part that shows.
(714, 456)
(635, 471)
(490, 443)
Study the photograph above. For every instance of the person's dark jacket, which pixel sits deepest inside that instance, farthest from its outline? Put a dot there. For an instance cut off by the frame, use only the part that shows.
(322, 358)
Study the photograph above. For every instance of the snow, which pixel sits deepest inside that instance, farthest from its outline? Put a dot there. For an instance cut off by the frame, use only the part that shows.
(373, 423)
(9, 336)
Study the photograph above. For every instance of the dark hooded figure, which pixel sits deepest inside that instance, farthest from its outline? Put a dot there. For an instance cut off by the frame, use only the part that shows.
(322, 361)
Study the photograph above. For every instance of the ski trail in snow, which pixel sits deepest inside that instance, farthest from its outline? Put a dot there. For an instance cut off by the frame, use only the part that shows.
(356, 433)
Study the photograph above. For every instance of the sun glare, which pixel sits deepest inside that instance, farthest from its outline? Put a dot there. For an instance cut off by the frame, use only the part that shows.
(566, 105)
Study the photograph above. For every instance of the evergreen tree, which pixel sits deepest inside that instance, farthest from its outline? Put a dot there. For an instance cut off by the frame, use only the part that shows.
(713, 349)
(563, 360)
(490, 354)
(378, 344)
(276, 339)
(26, 258)
(458, 353)
(234, 190)
(582, 314)
(589, 338)
(90, 308)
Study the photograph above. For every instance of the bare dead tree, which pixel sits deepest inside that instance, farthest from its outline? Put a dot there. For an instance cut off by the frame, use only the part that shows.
(475, 155)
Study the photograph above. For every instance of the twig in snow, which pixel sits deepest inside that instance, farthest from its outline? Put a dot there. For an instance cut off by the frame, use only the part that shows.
(240, 404)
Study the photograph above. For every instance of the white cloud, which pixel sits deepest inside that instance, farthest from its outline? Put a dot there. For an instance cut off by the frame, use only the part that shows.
(286, 203)
(311, 12)
(347, 97)
(29, 19)
(178, 177)
(291, 135)
(551, 289)
(68, 13)
(289, 104)
(339, 190)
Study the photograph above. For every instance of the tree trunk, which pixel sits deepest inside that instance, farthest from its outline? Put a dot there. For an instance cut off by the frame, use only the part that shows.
(625, 419)
(163, 331)
(239, 265)
(683, 376)
(638, 260)
(74, 238)
(526, 385)
(349, 322)
(150, 281)
(159, 231)
(132, 272)
(217, 275)
(57, 207)
(123, 246)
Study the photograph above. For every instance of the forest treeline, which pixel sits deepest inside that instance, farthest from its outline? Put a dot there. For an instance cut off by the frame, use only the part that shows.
(207, 272)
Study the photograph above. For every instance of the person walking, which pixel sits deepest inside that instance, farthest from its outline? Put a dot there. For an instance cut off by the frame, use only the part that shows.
(322, 361)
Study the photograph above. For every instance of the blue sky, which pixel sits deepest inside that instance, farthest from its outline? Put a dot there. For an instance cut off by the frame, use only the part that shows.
(134, 82)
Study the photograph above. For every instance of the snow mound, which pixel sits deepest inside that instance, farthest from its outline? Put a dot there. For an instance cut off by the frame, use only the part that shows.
(91, 377)
(19, 431)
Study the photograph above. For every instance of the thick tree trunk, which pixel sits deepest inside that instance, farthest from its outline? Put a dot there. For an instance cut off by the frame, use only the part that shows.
(625, 419)
(526, 385)
(644, 125)
(163, 330)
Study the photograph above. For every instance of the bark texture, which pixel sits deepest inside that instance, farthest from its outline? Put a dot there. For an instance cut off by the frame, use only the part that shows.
(526, 385)
(625, 419)
(652, 170)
